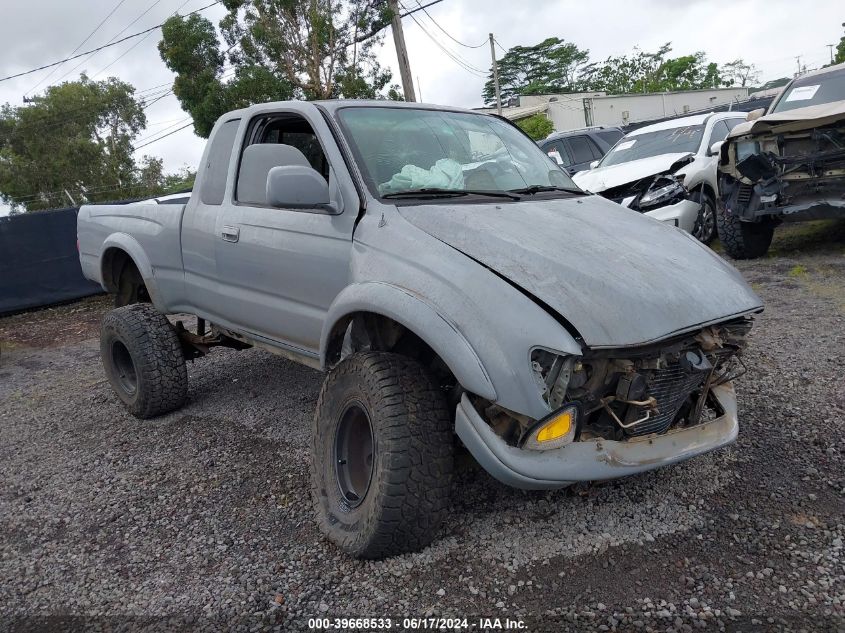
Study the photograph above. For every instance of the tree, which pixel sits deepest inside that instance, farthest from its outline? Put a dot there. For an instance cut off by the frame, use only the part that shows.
(151, 179)
(537, 126)
(548, 67)
(651, 72)
(839, 58)
(739, 73)
(637, 72)
(280, 49)
(76, 137)
(189, 47)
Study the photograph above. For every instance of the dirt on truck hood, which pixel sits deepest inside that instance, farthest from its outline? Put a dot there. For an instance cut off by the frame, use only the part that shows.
(620, 279)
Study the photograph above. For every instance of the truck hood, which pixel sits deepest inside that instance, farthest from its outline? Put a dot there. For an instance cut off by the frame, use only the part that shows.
(603, 178)
(619, 278)
(793, 120)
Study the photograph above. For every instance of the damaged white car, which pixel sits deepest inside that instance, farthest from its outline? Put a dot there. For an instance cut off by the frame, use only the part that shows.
(667, 171)
(788, 165)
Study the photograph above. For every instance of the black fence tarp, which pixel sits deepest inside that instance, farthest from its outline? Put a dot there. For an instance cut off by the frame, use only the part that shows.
(39, 264)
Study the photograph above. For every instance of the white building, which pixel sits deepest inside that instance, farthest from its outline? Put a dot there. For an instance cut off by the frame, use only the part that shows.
(581, 109)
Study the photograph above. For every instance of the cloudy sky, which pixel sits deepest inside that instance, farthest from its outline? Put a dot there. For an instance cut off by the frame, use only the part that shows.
(768, 33)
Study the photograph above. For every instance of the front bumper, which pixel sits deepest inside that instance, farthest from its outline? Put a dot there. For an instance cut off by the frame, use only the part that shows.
(593, 460)
(682, 214)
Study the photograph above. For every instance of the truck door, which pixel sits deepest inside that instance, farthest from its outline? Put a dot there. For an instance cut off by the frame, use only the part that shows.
(279, 269)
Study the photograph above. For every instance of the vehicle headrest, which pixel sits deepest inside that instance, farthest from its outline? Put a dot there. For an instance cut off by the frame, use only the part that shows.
(256, 163)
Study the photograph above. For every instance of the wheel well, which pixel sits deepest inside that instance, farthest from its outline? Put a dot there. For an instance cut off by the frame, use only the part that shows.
(706, 188)
(117, 262)
(362, 331)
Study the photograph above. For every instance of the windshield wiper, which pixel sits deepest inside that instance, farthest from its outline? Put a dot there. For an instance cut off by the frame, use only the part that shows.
(434, 192)
(532, 189)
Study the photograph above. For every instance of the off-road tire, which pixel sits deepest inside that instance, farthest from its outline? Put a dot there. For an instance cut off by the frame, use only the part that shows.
(705, 224)
(412, 454)
(743, 240)
(143, 360)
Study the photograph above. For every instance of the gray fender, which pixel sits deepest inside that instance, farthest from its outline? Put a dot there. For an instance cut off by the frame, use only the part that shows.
(423, 319)
(131, 247)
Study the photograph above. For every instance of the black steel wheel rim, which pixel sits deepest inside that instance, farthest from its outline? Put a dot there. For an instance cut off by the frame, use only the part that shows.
(354, 454)
(124, 367)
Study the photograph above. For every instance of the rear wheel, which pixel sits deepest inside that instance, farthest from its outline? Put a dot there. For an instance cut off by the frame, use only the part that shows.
(744, 240)
(143, 360)
(381, 455)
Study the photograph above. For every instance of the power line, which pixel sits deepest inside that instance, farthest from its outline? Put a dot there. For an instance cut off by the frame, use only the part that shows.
(118, 34)
(99, 48)
(451, 54)
(80, 45)
(484, 43)
(137, 147)
(102, 70)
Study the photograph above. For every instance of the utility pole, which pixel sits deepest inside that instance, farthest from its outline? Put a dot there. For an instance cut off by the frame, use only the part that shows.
(798, 59)
(401, 52)
(830, 46)
(495, 74)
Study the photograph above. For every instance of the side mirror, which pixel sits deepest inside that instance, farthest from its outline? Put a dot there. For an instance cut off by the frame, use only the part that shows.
(594, 164)
(298, 187)
(715, 148)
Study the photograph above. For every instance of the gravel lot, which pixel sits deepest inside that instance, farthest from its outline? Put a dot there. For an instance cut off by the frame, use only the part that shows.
(201, 519)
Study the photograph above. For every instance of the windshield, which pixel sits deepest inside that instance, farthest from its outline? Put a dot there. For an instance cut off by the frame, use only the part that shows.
(810, 91)
(407, 149)
(675, 140)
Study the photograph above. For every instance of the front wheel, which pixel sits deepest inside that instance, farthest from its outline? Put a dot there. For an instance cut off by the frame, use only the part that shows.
(381, 455)
(744, 240)
(705, 224)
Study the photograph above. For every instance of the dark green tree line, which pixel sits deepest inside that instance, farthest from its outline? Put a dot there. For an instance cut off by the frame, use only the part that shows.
(76, 141)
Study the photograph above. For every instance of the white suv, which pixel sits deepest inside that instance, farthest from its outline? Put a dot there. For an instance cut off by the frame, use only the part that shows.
(666, 171)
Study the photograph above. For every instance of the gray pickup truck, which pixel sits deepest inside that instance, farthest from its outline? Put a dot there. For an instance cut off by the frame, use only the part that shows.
(451, 281)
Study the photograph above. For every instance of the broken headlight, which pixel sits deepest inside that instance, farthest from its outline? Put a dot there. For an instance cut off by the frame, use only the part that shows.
(551, 371)
(662, 191)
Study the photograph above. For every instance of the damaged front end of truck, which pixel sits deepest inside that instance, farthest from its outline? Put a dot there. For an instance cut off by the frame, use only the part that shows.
(786, 167)
(615, 412)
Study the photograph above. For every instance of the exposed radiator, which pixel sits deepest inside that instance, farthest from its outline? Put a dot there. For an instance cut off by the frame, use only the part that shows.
(670, 387)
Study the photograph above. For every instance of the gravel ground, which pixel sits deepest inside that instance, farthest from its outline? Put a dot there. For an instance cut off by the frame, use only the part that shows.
(201, 519)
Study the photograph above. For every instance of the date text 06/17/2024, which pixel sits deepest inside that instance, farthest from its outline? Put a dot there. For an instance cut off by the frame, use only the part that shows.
(412, 624)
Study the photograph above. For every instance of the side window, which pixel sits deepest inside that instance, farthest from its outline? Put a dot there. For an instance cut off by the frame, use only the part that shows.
(719, 133)
(557, 152)
(274, 141)
(583, 150)
(214, 179)
(732, 123)
(610, 136)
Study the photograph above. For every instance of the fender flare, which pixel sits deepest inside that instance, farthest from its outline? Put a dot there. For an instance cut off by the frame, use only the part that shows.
(129, 245)
(419, 316)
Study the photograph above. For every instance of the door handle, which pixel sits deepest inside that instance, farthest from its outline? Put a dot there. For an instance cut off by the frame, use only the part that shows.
(230, 233)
